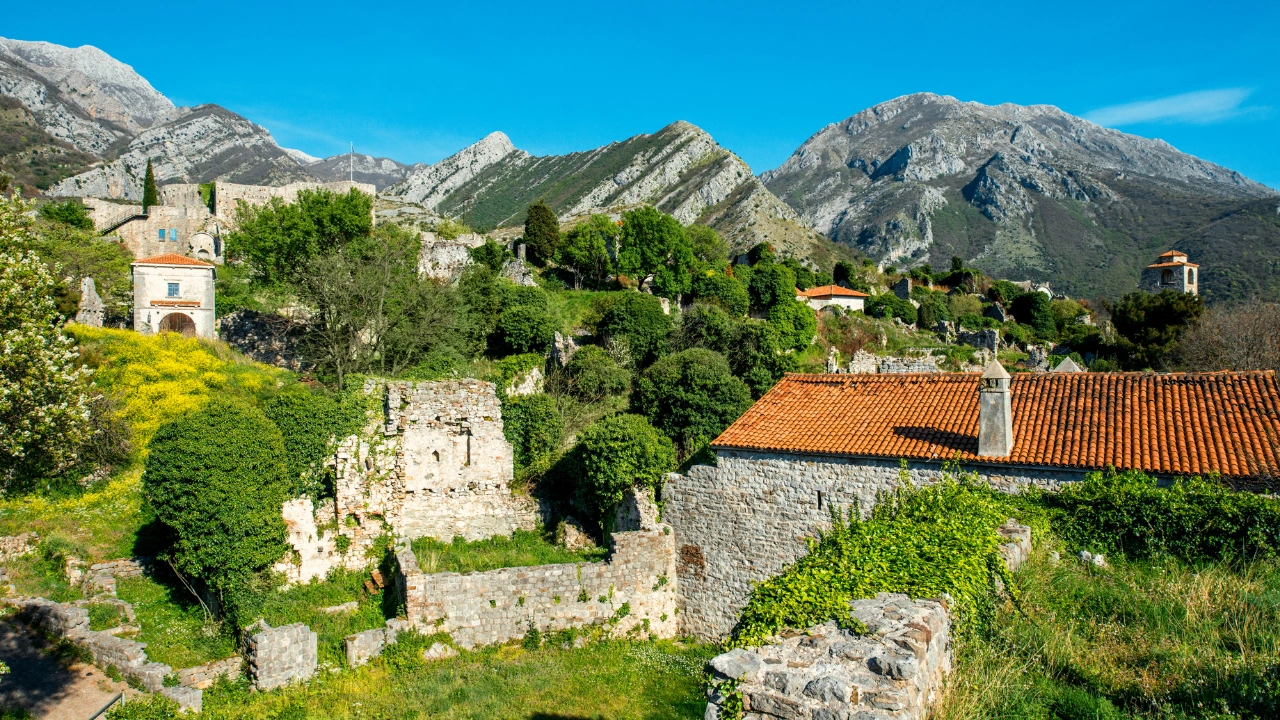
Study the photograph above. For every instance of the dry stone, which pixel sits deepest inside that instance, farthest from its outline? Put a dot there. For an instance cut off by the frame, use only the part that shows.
(204, 676)
(988, 339)
(15, 546)
(894, 671)
(279, 656)
(91, 311)
(189, 699)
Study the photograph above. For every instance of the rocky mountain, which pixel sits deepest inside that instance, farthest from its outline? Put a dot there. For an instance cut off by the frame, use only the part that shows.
(204, 143)
(31, 158)
(380, 172)
(1028, 192)
(80, 95)
(680, 169)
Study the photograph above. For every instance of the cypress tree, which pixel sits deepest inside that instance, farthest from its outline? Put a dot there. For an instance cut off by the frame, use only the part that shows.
(150, 196)
(542, 231)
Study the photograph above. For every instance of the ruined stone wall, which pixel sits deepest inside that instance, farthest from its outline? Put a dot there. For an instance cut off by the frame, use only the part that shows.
(279, 656)
(743, 521)
(226, 194)
(634, 588)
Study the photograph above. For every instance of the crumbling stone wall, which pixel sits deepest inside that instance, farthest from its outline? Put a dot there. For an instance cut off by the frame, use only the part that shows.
(15, 546)
(279, 656)
(743, 521)
(634, 588)
(225, 194)
(894, 671)
(268, 338)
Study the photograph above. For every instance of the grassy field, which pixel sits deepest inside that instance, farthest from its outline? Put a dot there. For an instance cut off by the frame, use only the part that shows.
(618, 680)
(1155, 638)
(522, 549)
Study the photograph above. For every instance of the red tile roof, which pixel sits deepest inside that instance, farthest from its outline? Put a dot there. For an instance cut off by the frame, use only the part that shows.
(1171, 253)
(831, 291)
(1176, 423)
(173, 259)
(1173, 264)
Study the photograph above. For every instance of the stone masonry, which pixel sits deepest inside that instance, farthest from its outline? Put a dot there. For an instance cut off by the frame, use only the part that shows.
(892, 672)
(743, 521)
(15, 546)
(634, 588)
(279, 656)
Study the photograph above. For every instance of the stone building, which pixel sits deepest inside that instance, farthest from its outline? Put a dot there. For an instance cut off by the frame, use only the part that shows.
(817, 443)
(174, 293)
(1171, 271)
(824, 295)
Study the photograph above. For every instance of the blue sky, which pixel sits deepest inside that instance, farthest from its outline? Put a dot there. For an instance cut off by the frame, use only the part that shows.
(418, 81)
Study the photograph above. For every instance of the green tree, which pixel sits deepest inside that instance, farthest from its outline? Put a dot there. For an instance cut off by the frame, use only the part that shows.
(279, 238)
(150, 195)
(70, 212)
(934, 307)
(804, 277)
(594, 375)
(887, 305)
(311, 424)
(752, 347)
(771, 284)
(524, 329)
(1033, 309)
(585, 250)
(541, 232)
(618, 453)
(725, 291)
(216, 478)
(533, 426)
(1003, 292)
(708, 247)
(692, 396)
(491, 254)
(654, 243)
(795, 322)
(844, 272)
(761, 253)
(1150, 325)
(637, 322)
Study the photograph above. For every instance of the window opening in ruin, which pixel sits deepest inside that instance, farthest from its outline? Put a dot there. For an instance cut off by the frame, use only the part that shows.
(819, 499)
(468, 462)
(173, 290)
(1191, 277)
(161, 233)
(1166, 277)
(173, 234)
(435, 455)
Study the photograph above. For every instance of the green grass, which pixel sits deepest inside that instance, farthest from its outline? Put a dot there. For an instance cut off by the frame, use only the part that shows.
(1155, 639)
(173, 625)
(524, 548)
(619, 680)
(303, 603)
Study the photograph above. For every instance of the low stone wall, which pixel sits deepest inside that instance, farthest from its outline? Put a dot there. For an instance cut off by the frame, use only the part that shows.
(15, 546)
(268, 338)
(894, 671)
(204, 676)
(364, 646)
(634, 588)
(279, 656)
(743, 521)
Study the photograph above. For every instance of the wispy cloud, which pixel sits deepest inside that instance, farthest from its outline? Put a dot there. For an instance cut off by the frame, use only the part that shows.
(1205, 106)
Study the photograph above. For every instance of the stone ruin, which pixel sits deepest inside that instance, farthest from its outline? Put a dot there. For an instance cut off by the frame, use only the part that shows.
(91, 311)
(268, 338)
(434, 463)
(279, 656)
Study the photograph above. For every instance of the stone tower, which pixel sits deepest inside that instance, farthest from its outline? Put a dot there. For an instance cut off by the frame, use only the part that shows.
(1171, 271)
(995, 413)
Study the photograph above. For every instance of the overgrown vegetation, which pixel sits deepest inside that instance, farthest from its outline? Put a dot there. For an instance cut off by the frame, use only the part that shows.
(523, 548)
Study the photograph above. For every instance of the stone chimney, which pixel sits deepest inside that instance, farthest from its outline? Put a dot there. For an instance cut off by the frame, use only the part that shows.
(995, 413)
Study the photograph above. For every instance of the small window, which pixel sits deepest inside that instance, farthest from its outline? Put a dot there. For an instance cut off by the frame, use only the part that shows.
(173, 234)
(173, 290)
(1191, 276)
(161, 233)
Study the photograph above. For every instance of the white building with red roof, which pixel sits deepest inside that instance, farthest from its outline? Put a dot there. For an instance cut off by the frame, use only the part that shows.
(824, 295)
(1171, 271)
(174, 293)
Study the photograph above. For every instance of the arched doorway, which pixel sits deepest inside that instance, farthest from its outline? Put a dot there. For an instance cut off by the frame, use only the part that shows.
(179, 323)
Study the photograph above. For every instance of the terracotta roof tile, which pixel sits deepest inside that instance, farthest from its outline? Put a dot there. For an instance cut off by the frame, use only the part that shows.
(173, 259)
(830, 291)
(1173, 264)
(1175, 423)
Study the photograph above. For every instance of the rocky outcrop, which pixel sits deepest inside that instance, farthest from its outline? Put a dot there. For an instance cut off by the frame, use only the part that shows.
(429, 186)
(205, 143)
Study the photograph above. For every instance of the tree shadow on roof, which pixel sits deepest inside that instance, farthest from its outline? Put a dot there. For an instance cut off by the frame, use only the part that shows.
(953, 441)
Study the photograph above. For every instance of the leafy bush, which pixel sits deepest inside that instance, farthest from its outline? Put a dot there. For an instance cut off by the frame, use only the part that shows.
(1003, 292)
(617, 453)
(310, 423)
(70, 212)
(961, 304)
(725, 291)
(654, 243)
(920, 541)
(541, 232)
(970, 321)
(491, 254)
(217, 478)
(1151, 324)
(887, 305)
(753, 348)
(524, 329)
(795, 322)
(593, 375)
(934, 307)
(533, 426)
(771, 284)
(1194, 519)
(585, 250)
(692, 396)
(638, 321)
(1012, 332)
(708, 247)
(279, 238)
(1033, 310)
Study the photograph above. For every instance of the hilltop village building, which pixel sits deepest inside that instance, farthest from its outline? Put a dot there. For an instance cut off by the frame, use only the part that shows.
(818, 443)
(183, 223)
(174, 293)
(824, 295)
(1171, 271)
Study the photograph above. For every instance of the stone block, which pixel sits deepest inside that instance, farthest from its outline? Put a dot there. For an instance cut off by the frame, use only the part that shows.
(190, 699)
(279, 656)
(364, 646)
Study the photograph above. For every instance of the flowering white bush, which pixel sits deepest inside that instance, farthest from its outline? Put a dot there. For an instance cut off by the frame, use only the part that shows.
(44, 392)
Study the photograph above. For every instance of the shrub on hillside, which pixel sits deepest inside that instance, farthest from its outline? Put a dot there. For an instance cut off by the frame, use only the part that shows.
(533, 426)
(795, 322)
(692, 396)
(753, 348)
(888, 305)
(920, 541)
(1193, 519)
(593, 375)
(725, 291)
(617, 453)
(491, 254)
(217, 478)
(541, 232)
(638, 322)
(771, 284)
(524, 329)
(1034, 310)
(70, 212)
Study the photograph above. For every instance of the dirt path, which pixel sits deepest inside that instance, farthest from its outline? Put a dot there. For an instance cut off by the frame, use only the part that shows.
(45, 688)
